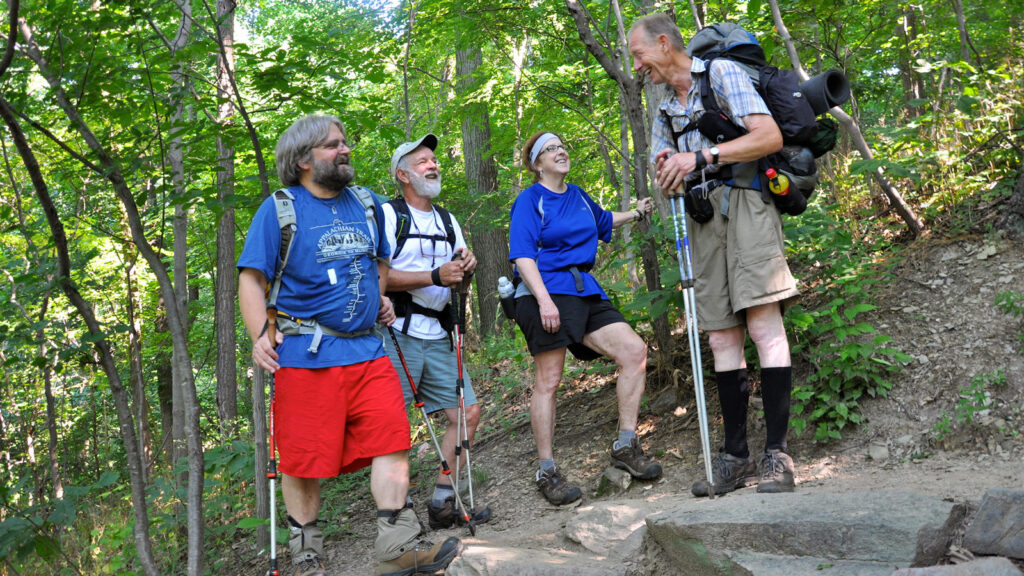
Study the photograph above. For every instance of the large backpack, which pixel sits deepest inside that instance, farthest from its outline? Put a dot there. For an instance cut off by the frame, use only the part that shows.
(781, 92)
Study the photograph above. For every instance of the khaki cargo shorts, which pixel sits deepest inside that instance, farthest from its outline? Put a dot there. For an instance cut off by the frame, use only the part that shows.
(738, 262)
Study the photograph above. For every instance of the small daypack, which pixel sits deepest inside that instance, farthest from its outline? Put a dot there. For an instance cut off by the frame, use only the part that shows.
(284, 207)
(781, 92)
(403, 225)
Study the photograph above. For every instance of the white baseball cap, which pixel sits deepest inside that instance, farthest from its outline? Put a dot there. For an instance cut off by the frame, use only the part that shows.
(430, 141)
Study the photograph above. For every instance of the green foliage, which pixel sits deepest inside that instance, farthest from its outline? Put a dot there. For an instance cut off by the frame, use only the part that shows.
(847, 355)
(1012, 303)
(970, 401)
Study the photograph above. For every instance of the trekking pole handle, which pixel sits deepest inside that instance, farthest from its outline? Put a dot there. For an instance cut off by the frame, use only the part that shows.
(272, 326)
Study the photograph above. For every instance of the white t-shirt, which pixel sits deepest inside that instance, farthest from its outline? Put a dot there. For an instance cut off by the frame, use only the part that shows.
(419, 255)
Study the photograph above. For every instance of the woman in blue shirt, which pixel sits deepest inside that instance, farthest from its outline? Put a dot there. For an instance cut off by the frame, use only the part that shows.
(560, 306)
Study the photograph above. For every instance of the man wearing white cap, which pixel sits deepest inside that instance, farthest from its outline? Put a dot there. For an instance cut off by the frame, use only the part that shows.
(424, 240)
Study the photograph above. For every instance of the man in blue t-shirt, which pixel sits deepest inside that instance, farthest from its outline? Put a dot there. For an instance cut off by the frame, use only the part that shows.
(338, 403)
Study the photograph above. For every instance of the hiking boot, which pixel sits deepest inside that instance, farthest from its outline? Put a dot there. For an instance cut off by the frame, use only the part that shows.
(556, 488)
(776, 472)
(309, 567)
(447, 515)
(729, 473)
(422, 557)
(306, 545)
(632, 459)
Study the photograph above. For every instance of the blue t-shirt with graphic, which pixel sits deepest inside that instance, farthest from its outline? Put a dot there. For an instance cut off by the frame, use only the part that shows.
(559, 231)
(330, 275)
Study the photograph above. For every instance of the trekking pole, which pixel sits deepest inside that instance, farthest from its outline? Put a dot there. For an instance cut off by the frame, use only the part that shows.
(272, 468)
(690, 307)
(418, 402)
(462, 423)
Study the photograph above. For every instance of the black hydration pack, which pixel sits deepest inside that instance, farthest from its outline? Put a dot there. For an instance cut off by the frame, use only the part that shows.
(402, 301)
(805, 137)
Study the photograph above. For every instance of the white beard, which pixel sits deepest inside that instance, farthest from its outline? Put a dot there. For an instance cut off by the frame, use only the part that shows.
(423, 187)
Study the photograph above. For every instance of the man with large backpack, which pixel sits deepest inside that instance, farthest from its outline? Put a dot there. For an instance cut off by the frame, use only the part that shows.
(314, 248)
(424, 240)
(739, 261)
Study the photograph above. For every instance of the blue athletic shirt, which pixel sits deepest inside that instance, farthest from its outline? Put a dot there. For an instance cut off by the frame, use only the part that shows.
(329, 276)
(568, 226)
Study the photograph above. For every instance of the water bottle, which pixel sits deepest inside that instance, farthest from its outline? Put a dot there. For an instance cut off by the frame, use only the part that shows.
(507, 293)
(777, 183)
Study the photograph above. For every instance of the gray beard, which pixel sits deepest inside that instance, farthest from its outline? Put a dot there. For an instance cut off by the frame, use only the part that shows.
(424, 188)
(333, 177)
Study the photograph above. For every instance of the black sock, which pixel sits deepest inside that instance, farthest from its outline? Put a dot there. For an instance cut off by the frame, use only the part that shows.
(734, 397)
(776, 388)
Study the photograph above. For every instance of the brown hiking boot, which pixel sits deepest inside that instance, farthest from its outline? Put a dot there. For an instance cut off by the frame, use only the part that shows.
(306, 546)
(556, 488)
(729, 473)
(421, 557)
(447, 515)
(776, 472)
(632, 459)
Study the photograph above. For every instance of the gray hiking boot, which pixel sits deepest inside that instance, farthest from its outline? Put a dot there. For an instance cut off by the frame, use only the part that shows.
(421, 557)
(776, 472)
(306, 546)
(729, 473)
(447, 515)
(556, 488)
(632, 459)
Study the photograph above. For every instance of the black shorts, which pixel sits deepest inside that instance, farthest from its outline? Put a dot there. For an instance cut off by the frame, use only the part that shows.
(578, 317)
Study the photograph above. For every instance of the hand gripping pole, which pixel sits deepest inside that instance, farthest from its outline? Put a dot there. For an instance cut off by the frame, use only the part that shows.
(690, 307)
(462, 423)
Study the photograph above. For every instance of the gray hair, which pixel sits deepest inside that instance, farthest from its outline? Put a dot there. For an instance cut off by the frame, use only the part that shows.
(297, 142)
(654, 25)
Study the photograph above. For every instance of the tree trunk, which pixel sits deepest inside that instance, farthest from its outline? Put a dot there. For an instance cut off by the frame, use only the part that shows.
(179, 335)
(51, 410)
(140, 527)
(140, 407)
(632, 109)
(490, 243)
(226, 291)
(895, 198)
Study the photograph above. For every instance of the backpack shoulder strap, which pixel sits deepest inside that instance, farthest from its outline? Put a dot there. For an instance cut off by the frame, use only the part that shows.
(402, 223)
(449, 228)
(365, 197)
(284, 205)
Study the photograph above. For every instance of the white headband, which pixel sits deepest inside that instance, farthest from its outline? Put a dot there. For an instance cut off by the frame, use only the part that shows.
(539, 145)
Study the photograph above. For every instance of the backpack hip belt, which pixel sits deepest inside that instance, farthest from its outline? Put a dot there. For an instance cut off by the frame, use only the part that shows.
(292, 326)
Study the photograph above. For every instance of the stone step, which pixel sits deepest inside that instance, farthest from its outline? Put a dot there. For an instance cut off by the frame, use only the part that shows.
(890, 529)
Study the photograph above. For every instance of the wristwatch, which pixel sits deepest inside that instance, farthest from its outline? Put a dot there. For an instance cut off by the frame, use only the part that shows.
(714, 154)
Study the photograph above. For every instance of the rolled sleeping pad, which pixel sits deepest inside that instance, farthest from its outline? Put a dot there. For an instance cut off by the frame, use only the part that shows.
(828, 89)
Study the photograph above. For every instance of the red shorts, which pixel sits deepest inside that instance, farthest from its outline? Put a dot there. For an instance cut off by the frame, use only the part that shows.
(330, 421)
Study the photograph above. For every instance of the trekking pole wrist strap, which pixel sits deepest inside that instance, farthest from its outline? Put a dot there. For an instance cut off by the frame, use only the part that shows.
(699, 160)
(435, 276)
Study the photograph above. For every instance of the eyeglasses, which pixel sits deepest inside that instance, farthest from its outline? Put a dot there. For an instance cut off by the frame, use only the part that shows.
(552, 148)
(334, 145)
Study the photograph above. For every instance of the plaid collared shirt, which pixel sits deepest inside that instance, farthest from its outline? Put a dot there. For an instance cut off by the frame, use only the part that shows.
(736, 96)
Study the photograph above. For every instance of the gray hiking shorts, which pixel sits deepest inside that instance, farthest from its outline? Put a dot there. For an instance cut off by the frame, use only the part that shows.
(434, 369)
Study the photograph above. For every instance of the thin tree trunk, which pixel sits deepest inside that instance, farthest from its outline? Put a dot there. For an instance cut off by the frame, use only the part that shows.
(136, 378)
(633, 110)
(51, 410)
(226, 290)
(895, 198)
